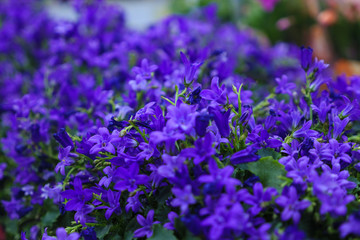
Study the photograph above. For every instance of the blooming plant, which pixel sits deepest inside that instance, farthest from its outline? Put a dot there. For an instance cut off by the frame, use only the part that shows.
(189, 130)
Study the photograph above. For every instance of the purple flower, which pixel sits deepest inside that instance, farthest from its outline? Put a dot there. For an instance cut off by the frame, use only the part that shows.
(81, 215)
(184, 198)
(172, 165)
(194, 96)
(78, 196)
(114, 204)
(201, 123)
(222, 120)
(13, 207)
(306, 57)
(305, 131)
(181, 117)
(106, 180)
(249, 154)
(2, 168)
(339, 126)
(336, 152)
(289, 200)
(190, 68)
(89, 233)
(202, 151)
(170, 225)
(331, 190)
(322, 110)
(63, 138)
(221, 177)
(167, 135)
(145, 70)
(129, 179)
(61, 234)
(65, 160)
(104, 141)
(133, 202)
(224, 219)
(264, 140)
(53, 193)
(351, 226)
(215, 93)
(284, 86)
(258, 198)
(292, 233)
(246, 113)
(146, 153)
(146, 224)
(23, 236)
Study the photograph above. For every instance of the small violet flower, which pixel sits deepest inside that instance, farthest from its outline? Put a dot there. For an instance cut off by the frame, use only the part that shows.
(289, 201)
(184, 198)
(146, 224)
(104, 141)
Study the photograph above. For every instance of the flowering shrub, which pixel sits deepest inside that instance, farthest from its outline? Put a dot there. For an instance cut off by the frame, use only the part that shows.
(189, 130)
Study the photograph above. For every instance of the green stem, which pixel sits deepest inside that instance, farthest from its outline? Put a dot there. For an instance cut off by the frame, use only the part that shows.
(67, 178)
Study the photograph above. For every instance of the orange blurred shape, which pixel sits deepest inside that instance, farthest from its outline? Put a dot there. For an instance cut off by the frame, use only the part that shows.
(327, 17)
(320, 42)
(347, 67)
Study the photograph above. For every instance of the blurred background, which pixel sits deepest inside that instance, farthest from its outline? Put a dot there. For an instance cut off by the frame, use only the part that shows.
(330, 27)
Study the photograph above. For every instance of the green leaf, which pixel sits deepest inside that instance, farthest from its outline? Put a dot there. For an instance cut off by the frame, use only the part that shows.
(190, 236)
(269, 152)
(101, 232)
(269, 171)
(128, 235)
(50, 217)
(161, 233)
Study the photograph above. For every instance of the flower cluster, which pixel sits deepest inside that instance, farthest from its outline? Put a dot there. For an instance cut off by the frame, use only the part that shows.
(191, 129)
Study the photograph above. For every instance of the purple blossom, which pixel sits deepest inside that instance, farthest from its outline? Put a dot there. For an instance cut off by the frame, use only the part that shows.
(190, 68)
(249, 154)
(145, 70)
(63, 138)
(351, 226)
(65, 160)
(82, 216)
(221, 120)
(181, 117)
(129, 179)
(78, 196)
(172, 165)
(106, 180)
(263, 139)
(2, 168)
(215, 93)
(224, 218)
(305, 131)
(339, 126)
(258, 198)
(284, 86)
(171, 225)
(221, 177)
(201, 123)
(133, 202)
(184, 198)
(146, 224)
(104, 141)
(61, 234)
(289, 201)
(113, 198)
(203, 150)
(306, 57)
